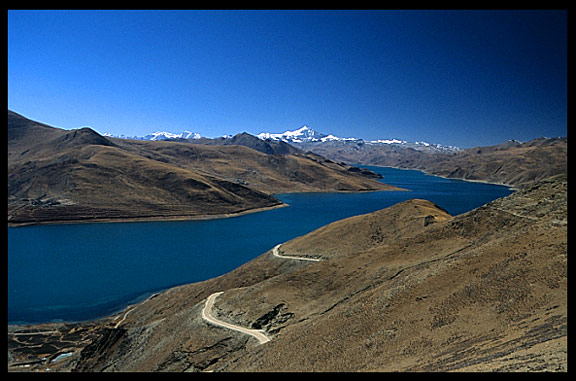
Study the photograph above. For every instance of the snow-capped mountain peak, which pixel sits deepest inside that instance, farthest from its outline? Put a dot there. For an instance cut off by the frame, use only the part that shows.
(307, 135)
(163, 135)
(303, 134)
(304, 130)
(388, 141)
(160, 135)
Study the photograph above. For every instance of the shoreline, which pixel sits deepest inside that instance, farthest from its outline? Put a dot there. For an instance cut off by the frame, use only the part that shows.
(511, 187)
(201, 217)
(112, 316)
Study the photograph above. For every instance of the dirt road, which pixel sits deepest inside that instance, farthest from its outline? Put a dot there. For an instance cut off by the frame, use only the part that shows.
(257, 333)
(277, 254)
(207, 315)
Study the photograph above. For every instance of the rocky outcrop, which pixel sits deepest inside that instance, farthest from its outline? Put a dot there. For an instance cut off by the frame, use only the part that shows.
(94, 355)
(273, 318)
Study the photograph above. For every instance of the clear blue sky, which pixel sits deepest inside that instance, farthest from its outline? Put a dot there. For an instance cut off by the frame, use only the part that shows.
(464, 78)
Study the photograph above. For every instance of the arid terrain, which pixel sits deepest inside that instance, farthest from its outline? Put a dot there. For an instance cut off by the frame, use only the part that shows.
(511, 163)
(57, 175)
(407, 288)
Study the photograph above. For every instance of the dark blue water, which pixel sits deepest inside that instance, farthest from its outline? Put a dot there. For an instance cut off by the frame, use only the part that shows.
(85, 271)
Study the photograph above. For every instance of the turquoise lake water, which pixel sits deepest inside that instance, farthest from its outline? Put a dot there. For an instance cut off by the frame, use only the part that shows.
(85, 271)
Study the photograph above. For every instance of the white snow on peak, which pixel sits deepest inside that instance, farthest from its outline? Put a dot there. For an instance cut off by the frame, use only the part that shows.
(303, 134)
(306, 135)
(162, 135)
(329, 138)
(159, 135)
(302, 130)
(388, 141)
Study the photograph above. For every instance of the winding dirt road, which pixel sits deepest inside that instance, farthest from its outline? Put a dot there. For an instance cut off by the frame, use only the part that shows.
(277, 254)
(207, 315)
(257, 333)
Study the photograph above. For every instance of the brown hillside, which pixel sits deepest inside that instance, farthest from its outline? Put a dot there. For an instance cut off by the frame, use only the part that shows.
(56, 175)
(364, 232)
(268, 173)
(516, 164)
(482, 291)
(511, 163)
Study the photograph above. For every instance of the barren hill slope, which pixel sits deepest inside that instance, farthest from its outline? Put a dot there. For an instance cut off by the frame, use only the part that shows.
(270, 173)
(78, 175)
(481, 291)
(420, 291)
(512, 163)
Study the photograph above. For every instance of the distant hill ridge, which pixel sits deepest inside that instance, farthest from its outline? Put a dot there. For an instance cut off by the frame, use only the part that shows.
(512, 163)
(303, 134)
(57, 175)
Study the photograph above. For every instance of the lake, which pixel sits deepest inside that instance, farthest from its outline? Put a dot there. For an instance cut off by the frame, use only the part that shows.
(84, 271)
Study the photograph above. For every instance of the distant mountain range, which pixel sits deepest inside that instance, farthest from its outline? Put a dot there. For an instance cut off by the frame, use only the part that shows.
(305, 135)
(512, 163)
(159, 135)
(302, 135)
